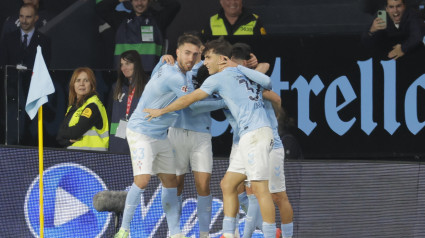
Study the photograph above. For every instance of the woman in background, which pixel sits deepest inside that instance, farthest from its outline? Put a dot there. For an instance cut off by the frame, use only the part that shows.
(85, 125)
(126, 94)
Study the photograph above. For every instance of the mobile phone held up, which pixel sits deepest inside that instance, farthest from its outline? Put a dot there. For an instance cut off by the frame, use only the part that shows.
(383, 15)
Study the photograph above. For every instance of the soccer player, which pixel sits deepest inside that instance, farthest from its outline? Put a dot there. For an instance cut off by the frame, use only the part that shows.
(151, 152)
(190, 137)
(240, 54)
(243, 97)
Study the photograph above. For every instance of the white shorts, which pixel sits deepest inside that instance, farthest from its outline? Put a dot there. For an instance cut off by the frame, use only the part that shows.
(236, 163)
(254, 148)
(277, 175)
(149, 155)
(191, 147)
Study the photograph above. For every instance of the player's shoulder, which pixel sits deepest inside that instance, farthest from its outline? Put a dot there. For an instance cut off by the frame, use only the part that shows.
(168, 71)
(171, 70)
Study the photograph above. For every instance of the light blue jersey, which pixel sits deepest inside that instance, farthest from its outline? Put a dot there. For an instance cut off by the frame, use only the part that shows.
(233, 124)
(163, 87)
(166, 84)
(243, 97)
(273, 121)
(189, 119)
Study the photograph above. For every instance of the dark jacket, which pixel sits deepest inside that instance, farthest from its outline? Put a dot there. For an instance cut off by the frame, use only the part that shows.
(128, 29)
(409, 34)
(12, 52)
(119, 108)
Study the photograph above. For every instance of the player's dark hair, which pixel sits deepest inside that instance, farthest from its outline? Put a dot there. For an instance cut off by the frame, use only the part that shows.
(219, 46)
(241, 51)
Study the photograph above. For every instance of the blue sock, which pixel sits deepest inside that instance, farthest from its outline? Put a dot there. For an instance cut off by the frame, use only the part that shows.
(229, 225)
(180, 206)
(170, 206)
(269, 230)
(131, 202)
(287, 229)
(251, 216)
(243, 202)
(203, 208)
(237, 222)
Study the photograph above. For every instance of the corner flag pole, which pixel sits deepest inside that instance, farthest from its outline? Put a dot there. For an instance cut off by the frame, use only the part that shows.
(40, 87)
(40, 169)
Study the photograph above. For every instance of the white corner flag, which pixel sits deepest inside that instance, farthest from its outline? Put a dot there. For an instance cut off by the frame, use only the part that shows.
(41, 85)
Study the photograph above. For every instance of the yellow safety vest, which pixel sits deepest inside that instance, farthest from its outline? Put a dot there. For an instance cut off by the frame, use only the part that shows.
(93, 139)
(219, 29)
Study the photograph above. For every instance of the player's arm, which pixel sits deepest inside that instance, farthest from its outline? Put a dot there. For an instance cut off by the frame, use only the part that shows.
(276, 101)
(263, 67)
(256, 76)
(207, 105)
(252, 74)
(180, 103)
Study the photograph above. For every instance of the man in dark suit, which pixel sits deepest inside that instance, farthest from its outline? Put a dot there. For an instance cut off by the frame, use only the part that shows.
(20, 47)
(12, 23)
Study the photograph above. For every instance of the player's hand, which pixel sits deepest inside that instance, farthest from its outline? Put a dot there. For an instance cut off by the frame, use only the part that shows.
(152, 113)
(377, 24)
(73, 141)
(396, 52)
(168, 58)
(252, 63)
(227, 62)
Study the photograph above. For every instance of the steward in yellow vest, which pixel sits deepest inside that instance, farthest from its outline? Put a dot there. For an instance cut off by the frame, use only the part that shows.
(87, 125)
(248, 23)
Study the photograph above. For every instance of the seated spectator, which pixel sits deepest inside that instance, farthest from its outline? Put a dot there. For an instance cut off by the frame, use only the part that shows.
(402, 33)
(86, 124)
(20, 46)
(143, 29)
(12, 22)
(233, 19)
(125, 96)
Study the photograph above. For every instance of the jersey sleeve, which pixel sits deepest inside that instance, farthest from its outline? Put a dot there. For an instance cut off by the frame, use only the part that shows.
(256, 76)
(207, 105)
(158, 65)
(210, 85)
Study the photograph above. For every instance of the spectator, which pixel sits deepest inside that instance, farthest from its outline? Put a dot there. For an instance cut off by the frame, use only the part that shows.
(12, 22)
(125, 96)
(20, 46)
(233, 19)
(86, 124)
(143, 29)
(402, 33)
